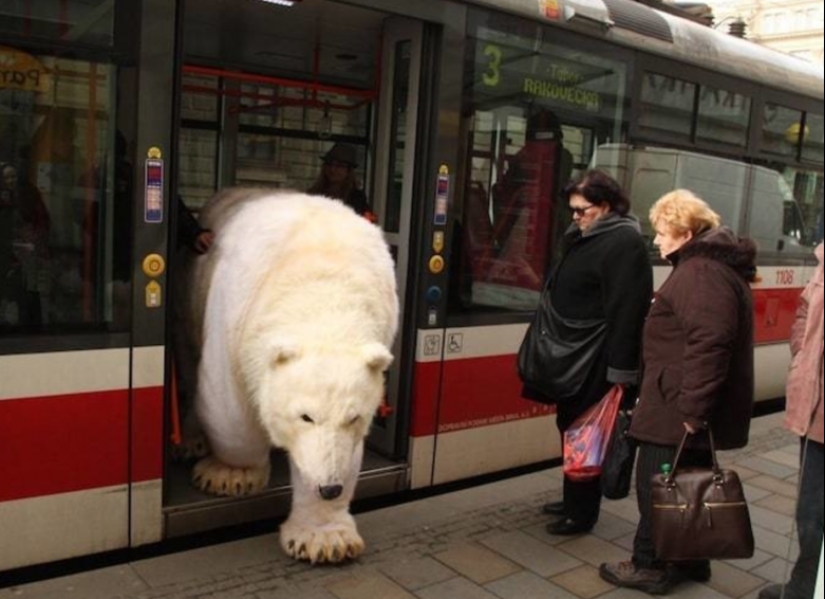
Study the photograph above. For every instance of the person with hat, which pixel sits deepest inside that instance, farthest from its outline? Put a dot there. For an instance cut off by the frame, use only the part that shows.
(337, 180)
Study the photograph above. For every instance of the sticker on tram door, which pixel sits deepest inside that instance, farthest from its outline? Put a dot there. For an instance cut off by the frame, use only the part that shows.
(154, 191)
(154, 295)
(442, 195)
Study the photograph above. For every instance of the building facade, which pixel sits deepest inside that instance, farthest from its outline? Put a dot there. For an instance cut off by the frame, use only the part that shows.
(791, 26)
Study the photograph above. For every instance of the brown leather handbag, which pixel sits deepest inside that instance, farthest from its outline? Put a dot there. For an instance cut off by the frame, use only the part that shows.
(700, 513)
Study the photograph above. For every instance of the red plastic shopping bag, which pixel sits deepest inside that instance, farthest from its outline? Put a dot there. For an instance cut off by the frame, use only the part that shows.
(586, 441)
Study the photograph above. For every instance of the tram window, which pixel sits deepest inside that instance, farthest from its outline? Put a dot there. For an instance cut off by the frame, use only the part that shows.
(198, 150)
(723, 117)
(200, 98)
(780, 130)
(813, 142)
(90, 22)
(65, 203)
(667, 106)
(533, 112)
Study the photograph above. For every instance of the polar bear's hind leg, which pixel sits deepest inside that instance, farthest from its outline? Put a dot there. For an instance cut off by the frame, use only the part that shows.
(210, 475)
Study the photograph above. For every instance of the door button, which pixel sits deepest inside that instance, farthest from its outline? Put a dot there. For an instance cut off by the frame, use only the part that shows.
(154, 265)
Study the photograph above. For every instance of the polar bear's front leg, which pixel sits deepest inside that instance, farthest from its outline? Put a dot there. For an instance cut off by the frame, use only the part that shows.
(239, 465)
(319, 530)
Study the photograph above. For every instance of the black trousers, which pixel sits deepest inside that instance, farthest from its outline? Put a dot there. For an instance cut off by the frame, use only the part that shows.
(809, 519)
(650, 460)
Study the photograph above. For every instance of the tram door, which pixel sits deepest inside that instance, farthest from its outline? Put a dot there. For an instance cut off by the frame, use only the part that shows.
(395, 159)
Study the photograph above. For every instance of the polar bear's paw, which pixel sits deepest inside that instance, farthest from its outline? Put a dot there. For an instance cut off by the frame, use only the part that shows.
(328, 544)
(192, 447)
(210, 475)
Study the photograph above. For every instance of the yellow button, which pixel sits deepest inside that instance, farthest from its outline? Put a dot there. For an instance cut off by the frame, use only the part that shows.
(154, 265)
(436, 265)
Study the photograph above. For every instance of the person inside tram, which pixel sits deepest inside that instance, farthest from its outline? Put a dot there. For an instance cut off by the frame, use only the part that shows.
(337, 180)
(25, 225)
(698, 369)
(604, 276)
(805, 417)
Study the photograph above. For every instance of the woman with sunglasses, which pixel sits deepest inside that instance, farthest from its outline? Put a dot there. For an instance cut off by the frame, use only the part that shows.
(603, 276)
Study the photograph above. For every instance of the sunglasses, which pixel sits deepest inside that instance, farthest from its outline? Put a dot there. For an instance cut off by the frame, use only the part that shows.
(581, 211)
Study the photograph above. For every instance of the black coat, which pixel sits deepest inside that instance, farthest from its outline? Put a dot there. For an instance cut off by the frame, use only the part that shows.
(604, 273)
(698, 346)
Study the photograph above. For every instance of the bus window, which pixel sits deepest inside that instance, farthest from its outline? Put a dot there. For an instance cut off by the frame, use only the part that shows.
(533, 111)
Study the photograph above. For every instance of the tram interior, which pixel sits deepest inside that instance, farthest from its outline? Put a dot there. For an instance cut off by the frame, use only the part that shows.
(266, 90)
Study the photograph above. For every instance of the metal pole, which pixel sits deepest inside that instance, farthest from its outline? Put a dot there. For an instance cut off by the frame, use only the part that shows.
(818, 594)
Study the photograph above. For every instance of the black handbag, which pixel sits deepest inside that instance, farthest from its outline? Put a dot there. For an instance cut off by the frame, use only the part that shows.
(617, 469)
(558, 354)
(700, 513)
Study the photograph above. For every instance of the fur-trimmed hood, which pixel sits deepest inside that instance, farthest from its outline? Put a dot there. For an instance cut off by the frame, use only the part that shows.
(722, 245)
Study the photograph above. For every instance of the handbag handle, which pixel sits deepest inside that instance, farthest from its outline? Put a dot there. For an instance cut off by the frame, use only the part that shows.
(716, 470)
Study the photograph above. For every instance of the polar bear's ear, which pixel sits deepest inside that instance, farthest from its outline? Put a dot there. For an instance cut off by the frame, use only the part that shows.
(283, 352)
(377, 356)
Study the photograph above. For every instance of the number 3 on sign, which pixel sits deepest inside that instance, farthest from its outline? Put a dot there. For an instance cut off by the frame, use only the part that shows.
(493, 75)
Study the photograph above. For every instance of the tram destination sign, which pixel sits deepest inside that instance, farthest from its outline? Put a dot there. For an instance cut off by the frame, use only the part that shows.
(557, 80)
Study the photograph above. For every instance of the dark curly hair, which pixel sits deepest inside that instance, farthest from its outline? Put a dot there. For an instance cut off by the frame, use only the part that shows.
(599, 188)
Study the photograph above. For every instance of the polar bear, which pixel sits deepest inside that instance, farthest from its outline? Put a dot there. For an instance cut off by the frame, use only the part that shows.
(290, 316)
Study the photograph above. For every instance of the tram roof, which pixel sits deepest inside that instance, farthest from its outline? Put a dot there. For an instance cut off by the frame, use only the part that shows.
(629, 23)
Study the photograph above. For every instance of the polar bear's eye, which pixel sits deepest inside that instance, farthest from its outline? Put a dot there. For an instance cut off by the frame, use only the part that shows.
(306, 418)
(355, 420)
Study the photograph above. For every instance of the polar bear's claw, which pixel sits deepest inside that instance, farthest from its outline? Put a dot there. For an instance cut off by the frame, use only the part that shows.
(210, 475)
(331, 544)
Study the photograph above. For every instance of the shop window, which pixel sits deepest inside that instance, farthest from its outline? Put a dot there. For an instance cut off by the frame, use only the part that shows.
(723, 117)
(65, 198)
(814, 139)
(781, 128)
(667, 107)
(534, 112)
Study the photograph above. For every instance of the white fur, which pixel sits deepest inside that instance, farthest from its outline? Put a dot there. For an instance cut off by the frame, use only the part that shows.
(294, 310)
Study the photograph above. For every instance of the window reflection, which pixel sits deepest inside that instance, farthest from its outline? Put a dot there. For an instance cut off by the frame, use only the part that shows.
(66, 197)
(781, 128)
(667, 106)
(534, 112)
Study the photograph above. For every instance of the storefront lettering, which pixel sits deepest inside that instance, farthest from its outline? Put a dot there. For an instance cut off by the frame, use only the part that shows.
(21, 71)
(552, 90)
(25, 80)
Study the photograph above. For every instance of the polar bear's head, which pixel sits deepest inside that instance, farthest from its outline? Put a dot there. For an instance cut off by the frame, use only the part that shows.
(318, 404)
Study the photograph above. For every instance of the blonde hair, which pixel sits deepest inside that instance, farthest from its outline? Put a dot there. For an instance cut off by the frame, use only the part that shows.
(683, 211)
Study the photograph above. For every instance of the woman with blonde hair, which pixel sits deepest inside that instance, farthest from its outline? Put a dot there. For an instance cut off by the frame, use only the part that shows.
(698, 367)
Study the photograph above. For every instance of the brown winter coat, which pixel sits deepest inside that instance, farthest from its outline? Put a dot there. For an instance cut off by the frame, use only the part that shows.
(804, 393)
(698, 346)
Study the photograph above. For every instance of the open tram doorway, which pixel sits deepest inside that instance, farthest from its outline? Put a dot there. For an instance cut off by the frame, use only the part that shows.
(266, 91)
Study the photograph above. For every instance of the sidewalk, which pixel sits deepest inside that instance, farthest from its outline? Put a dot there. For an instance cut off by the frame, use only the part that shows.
(487, 542)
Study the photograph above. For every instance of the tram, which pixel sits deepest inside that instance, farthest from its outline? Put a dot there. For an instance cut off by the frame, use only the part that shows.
(467, 118)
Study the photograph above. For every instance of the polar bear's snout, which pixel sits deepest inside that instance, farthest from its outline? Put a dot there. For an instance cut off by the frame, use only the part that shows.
(330, 492)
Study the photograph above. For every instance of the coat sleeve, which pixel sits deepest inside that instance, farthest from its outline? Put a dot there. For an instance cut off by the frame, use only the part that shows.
(798, 328)
(188, 227)
(707, 305)
(626, 293)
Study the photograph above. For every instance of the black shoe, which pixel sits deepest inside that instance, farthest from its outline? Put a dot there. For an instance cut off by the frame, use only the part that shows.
(697, 571)
(568, 527)
(554, 508)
